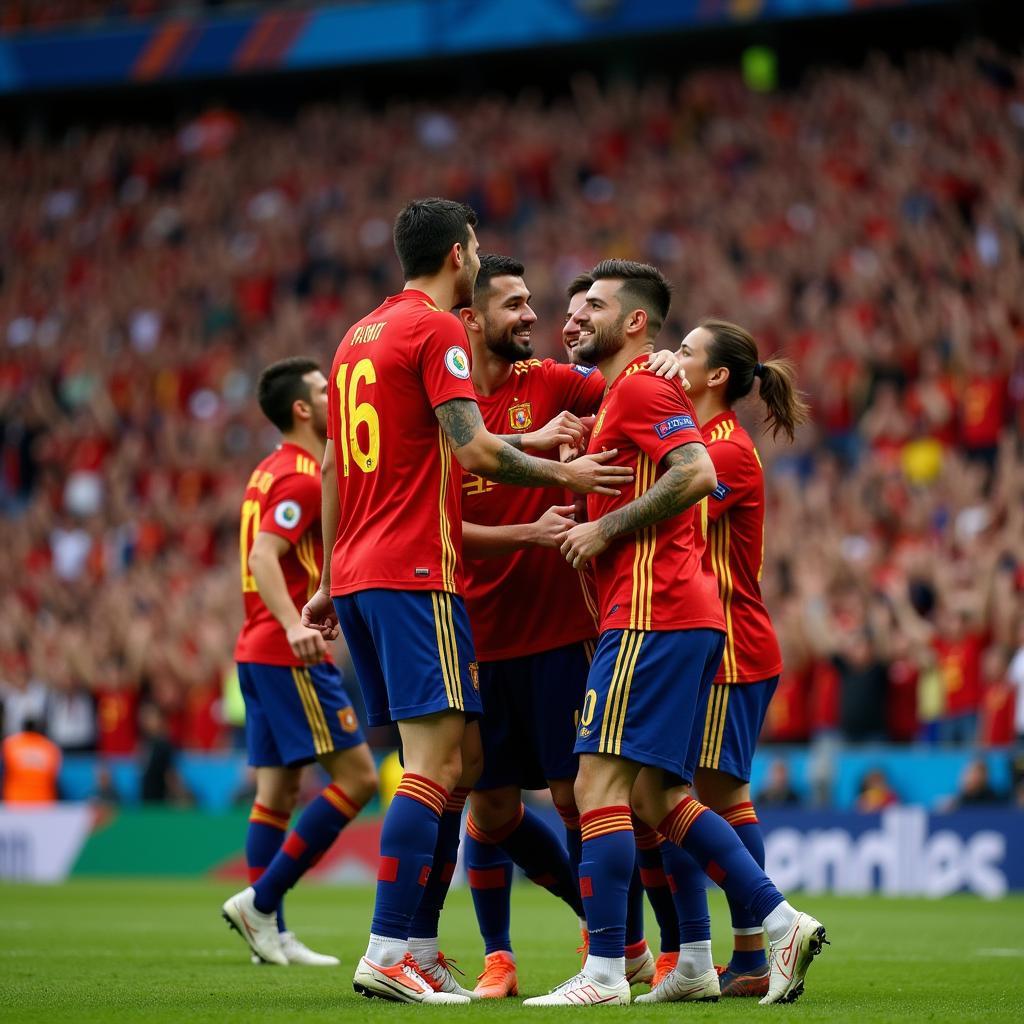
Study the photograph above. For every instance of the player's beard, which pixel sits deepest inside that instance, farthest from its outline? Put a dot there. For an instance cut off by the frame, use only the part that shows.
(508, 347)
(603, 343)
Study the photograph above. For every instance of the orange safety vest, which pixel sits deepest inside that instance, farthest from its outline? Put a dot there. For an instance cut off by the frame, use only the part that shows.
(31, 764)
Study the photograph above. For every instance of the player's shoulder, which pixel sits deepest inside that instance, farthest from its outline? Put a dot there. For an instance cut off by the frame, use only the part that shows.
(638, 382)
(730, 435)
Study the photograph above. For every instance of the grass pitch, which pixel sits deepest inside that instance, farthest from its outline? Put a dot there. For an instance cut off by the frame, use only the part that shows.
(159, 951)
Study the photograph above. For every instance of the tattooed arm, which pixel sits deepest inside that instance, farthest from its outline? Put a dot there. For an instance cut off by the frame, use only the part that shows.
(690, 477)
(481, 452)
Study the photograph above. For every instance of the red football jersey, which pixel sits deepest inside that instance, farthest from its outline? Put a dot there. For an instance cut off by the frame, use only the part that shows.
(651, 579)
(536, 589)
(735, 553)
(283, 498)
(400, 525)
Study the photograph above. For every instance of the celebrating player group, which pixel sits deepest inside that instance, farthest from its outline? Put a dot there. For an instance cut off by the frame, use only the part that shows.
(547, 575)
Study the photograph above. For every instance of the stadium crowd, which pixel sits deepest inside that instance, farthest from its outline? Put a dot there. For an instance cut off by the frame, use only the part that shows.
(870, 226)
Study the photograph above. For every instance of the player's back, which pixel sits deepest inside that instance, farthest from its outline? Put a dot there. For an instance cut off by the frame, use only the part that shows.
(400, 518)
(735, 552)
(652, 578)
(282, 497)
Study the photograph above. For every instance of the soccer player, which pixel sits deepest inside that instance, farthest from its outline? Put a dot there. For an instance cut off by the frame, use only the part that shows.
(296, 707)
(660, 647)
(401, 405)
(532, 679)
(649, 873)
(722, 364)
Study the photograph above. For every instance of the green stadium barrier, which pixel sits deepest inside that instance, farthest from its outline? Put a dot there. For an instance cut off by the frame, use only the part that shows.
(161, 841)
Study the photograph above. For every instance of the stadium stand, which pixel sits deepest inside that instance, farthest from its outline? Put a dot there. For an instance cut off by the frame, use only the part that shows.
(870, 227)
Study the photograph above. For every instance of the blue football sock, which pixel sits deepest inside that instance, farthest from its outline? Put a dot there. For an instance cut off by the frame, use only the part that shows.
(689, 884)
(724, 859)
(536, 848)
(656, 885)
(263, 839)
(489, 870)
(635, 910)
(573, 841)
(446, 854)
(318, 826)
(407, 843)
(609, 855)
(743, 818)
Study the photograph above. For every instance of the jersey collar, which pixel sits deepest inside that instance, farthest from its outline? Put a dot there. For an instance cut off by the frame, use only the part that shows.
(418, 296)
(628, 371)
(723, 417)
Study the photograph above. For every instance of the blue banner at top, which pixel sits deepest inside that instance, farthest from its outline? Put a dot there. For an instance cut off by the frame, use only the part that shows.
(200, 45)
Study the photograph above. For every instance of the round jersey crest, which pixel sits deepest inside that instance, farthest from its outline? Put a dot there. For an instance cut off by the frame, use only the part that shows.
(457, 362)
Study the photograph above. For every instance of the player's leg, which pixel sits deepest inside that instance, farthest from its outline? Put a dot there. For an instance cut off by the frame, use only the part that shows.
(732, 725)
(276, 795)
(609, 851)
(413, 655)
(353, 783)
(716, 848)
(606, 744)
(311, 717)
(423, 930)
(494, 800)
(747, 971)
(489, 870)
(659, 893)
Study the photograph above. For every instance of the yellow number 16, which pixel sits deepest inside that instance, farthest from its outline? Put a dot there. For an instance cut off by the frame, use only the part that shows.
(352, 413)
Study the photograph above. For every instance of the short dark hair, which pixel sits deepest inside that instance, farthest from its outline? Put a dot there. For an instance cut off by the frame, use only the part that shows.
(580, 283)
(491, 266)
(426, 229)
(643, 286)
(280, 385)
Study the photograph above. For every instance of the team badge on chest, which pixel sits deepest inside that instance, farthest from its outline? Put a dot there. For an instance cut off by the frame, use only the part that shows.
(520, 417)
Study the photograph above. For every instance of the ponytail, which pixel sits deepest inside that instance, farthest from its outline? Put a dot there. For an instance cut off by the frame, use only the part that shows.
(734, 348)
(786, 409)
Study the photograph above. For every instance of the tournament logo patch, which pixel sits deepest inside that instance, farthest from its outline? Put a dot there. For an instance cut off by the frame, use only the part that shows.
(521, 416)
(583, 371)
(347, 719)
(287, 515)
(474, 674)
(720, 492)
(666, 428)
(457, 362)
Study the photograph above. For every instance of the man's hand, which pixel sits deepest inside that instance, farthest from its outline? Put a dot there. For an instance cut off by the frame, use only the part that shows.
(582, 543)
(668, 365)
(565, 428)
(590, 475)
(319, 614)
(568, 452)
(306, 643)
(552, 527)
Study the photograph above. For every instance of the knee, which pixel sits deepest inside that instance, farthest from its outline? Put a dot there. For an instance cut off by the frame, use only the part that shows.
(563, 794)
(472, 767)
(493, 808)
(449, 769)
(361, 784)
(644, 807)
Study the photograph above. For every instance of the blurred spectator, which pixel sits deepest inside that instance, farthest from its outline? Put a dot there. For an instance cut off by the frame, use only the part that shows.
(30, 763)
(1015, 676)
(875, 792)
(998, 701)
(975, 788)
(777, 791)
(160, 780)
